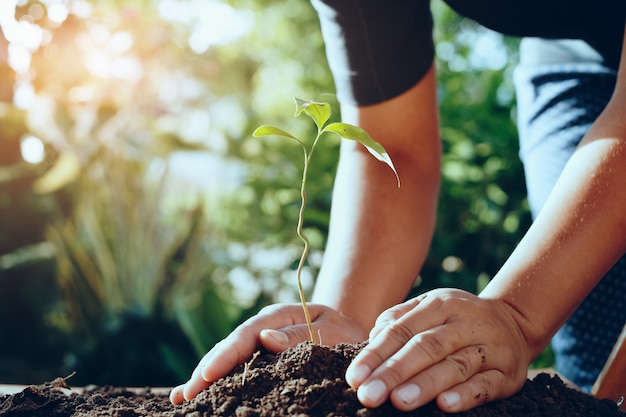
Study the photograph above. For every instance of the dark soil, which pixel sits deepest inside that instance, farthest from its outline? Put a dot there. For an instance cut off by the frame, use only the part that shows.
(304, 381)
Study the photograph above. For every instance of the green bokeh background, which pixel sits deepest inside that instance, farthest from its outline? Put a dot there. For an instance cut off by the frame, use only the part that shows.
(155, 222)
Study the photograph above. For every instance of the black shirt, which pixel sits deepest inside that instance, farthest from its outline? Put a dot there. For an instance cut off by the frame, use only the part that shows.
(378, 49)
(599, 22)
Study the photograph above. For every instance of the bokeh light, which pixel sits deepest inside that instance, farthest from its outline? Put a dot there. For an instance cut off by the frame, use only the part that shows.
(32, 149)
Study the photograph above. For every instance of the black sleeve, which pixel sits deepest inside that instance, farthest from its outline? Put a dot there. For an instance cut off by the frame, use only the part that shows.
(376, 49)
(600, 23)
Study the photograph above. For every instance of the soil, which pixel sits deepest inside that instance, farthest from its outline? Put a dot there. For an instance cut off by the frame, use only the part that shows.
(303, 381)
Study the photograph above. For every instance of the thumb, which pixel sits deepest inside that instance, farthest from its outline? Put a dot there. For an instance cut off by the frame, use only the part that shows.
(279, 340)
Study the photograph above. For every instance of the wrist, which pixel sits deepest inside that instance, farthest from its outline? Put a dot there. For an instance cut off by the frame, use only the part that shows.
(354, 315)
(533, 333)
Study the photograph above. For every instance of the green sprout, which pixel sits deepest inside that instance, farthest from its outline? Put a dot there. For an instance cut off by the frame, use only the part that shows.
(320, 113)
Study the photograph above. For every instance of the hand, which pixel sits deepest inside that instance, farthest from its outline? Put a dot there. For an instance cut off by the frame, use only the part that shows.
(446, 344)
(276, 328)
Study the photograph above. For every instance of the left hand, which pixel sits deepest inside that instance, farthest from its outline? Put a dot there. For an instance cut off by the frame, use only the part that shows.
(445, 344)
(276, 328)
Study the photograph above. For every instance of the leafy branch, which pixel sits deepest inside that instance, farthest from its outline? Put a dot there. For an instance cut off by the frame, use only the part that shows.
(320, 113)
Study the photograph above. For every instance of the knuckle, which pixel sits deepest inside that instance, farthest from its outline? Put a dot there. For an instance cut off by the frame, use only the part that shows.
(431, 345)
(272, 309)
(430, 381)
(483, 389)
(393, 374)
(374, 357)
(462, 364)
(300, 333)
(400, 331)
(386, 317)
(490, 386)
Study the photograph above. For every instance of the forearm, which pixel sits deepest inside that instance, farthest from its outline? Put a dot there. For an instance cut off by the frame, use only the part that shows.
(379, 233)
(579, 234)
(374, 252)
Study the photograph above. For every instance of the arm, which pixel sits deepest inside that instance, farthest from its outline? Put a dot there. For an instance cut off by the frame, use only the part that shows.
(464, 350)
(380, 234)
(579, 234)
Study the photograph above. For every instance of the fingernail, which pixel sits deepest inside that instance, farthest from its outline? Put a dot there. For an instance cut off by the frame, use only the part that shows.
(278, 336)
(204, 372)
(409, 394)
(451, 398)
(372, 392)
(357, 374)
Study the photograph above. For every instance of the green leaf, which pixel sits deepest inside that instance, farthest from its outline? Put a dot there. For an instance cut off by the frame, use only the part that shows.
(319, 112)
(348, 131)
(266, 130)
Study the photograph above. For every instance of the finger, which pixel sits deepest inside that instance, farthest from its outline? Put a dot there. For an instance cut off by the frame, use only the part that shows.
(245, 340)
(230, 352)
(421, 352)
(481, 388)
(392, 314)
(430, 327)
(328, 327)
(408, 332)
(238, 347)
(417, 354)
(282, 339)
(219, 361)
(426, 385)
(176, 395)
(194, 386)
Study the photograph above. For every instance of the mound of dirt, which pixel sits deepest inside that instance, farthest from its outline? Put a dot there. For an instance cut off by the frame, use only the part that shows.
(306, 380)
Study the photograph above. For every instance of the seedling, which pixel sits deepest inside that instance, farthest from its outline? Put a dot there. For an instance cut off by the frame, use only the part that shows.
(320, 113)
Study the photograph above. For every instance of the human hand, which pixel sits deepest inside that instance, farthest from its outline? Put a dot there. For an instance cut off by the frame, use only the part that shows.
(276, 328)
(445, 344)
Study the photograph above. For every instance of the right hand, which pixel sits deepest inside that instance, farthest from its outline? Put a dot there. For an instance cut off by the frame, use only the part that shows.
(276, 328)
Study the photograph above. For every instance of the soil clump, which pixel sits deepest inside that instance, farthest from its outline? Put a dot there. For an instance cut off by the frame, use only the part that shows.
(307, 380)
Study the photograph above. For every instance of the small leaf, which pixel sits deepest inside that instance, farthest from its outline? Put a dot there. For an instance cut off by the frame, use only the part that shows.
(266, 130)
(348, 131)
(319, 112)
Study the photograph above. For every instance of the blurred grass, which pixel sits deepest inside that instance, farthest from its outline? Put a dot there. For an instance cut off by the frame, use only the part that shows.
(122, 260)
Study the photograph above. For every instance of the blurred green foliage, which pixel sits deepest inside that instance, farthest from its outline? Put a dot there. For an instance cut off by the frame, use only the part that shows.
(137, 263)
(483, 210)
(154, 222)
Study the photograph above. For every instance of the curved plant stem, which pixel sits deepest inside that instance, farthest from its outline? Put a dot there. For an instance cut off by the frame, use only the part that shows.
(305, 251)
